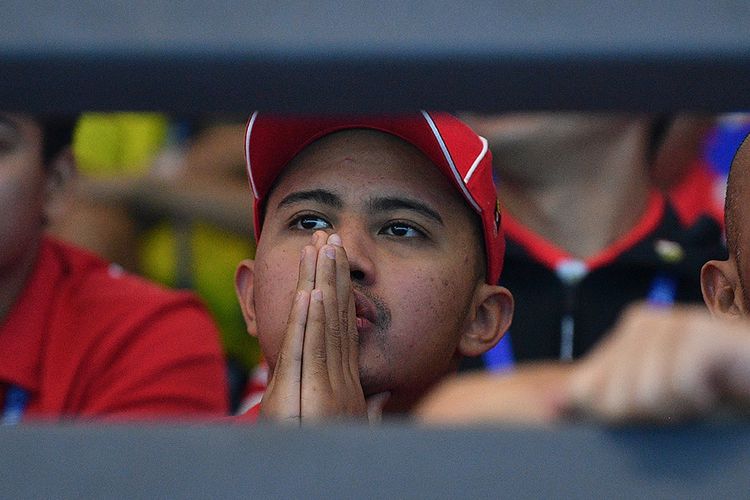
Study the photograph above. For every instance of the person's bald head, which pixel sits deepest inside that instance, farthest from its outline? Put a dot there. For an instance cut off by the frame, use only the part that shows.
(737, 191)
(724, 282)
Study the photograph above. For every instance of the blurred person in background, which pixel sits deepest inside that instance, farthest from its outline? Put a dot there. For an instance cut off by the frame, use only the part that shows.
(683, 168)
(657, 365)
(166, 196)
(82, 338)
(588, 231)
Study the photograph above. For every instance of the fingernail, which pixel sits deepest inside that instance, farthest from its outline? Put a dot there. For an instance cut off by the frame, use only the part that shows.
(329, 252)
(317, 295)
(335, 239)
(302, 254)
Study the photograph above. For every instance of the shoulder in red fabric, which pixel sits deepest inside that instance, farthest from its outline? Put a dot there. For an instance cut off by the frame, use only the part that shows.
(112, 345)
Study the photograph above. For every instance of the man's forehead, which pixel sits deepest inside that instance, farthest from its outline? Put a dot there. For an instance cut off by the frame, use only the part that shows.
(360, 160)
(351, 142)
(348, 180)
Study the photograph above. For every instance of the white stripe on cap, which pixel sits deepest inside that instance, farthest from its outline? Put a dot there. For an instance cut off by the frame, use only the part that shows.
(250, 124)
(452, 165)
(474, 165)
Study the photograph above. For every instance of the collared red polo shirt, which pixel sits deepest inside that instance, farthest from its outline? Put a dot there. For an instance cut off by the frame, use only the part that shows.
(88, 340)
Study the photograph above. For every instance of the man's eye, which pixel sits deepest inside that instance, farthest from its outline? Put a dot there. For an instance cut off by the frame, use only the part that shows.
(310, 223)
(401, 230)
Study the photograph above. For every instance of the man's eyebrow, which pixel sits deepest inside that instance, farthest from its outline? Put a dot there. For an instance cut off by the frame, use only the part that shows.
(396, 203)
(317, 195)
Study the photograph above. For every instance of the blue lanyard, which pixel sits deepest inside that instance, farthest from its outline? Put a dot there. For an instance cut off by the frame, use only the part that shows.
(662, 294)
(663, 291)
(16, 400)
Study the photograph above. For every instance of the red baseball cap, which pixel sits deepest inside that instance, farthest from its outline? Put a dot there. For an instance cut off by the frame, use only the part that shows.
(272, 141)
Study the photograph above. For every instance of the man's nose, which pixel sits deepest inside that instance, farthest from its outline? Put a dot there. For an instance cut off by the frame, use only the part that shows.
(359, 250)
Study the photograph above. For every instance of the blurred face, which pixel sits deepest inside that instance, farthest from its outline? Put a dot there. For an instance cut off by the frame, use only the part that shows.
(413, 249)
(22, 189)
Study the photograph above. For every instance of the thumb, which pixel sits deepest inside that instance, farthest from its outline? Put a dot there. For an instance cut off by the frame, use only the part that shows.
(375, 404)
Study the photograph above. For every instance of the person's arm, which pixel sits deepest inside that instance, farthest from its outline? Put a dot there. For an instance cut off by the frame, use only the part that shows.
(665, 366)
(657, 365)
(532, 394)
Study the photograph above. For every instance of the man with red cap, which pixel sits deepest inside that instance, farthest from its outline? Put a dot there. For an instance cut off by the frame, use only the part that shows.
(379, 250)
(374, 276)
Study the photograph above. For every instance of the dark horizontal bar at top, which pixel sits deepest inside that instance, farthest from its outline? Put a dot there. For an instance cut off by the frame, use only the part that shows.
(413, 27)
(198, 83)
(385, 55)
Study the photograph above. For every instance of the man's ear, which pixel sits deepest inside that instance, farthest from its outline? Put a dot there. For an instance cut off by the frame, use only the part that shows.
(243, 285)
(60, 172)
(722, 291)
(490, 316)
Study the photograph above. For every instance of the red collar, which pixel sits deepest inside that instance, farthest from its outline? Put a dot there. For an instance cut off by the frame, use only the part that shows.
(551, 255)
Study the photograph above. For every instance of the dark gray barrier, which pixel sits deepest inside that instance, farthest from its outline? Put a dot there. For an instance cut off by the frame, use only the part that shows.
(393, 461)
(385, 55)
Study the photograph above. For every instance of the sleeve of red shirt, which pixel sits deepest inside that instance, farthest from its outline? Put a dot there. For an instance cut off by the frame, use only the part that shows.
(168, 365)
(142, 352)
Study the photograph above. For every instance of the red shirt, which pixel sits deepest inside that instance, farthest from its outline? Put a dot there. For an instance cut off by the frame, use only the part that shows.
(699, 192)
(89, 340)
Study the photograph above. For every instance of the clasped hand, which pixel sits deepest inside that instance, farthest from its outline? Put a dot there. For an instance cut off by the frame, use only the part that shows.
(316, 375)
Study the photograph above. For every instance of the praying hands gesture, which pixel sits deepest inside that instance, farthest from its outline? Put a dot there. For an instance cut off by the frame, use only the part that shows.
(317, 370)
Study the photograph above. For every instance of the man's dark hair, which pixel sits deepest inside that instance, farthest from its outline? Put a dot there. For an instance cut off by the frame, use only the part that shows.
(57, 134)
